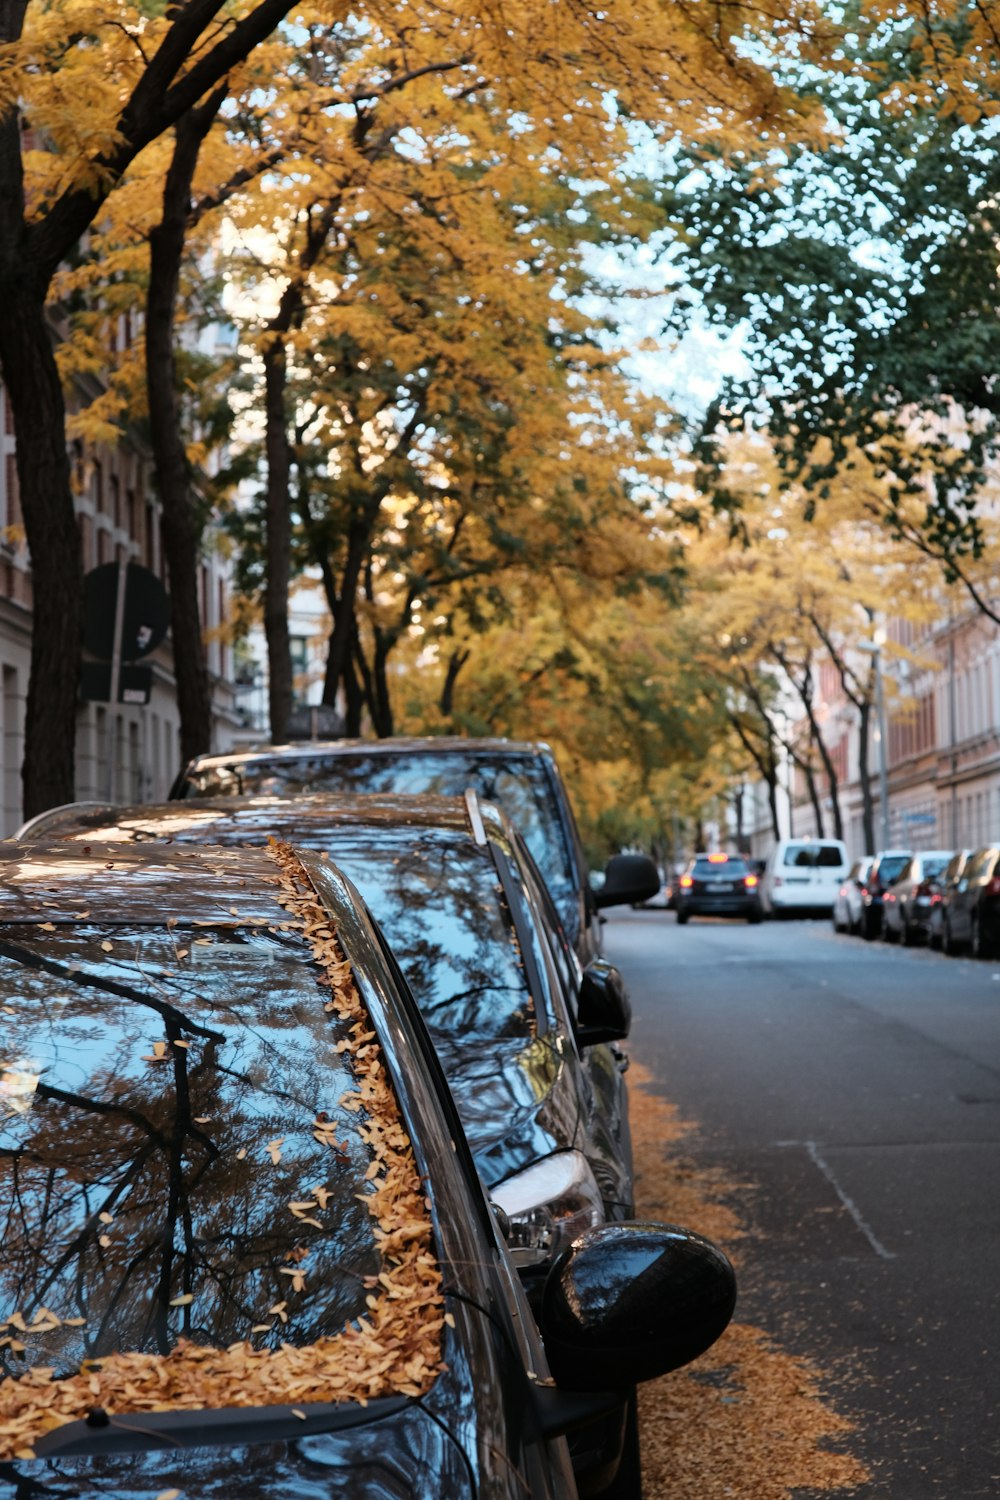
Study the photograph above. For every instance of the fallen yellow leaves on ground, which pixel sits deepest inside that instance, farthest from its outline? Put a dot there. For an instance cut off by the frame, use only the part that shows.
(746, 1421)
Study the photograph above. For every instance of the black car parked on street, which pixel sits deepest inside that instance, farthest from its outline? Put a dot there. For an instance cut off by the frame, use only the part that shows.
(972, 911)
(948, 884)
(718, 885)
(528, 1040)
(910, 899)
(887, 865)
(243, 1245)
(522, 777)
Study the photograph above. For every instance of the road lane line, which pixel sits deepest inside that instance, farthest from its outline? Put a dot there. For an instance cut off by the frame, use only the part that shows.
(852, 1208)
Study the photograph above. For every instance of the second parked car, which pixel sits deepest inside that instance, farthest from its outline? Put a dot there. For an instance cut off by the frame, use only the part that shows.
(972, 913)
(909, 901)
(887, 866)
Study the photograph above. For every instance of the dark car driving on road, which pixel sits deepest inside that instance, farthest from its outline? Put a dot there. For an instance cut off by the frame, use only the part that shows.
(718, 885)
(243, 1246)
(522, 777)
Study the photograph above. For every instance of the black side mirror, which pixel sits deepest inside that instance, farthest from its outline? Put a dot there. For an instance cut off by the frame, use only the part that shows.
(628, 878)
(629, 1302)
(603, 1012)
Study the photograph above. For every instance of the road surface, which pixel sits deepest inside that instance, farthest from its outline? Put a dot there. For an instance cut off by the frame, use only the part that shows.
(856, 1088)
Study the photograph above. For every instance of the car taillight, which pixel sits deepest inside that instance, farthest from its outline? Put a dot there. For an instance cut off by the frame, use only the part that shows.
(993, 886)
(686, 882)
(750, 882)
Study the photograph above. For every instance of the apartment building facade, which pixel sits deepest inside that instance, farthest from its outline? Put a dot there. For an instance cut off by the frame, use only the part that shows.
(941, 698)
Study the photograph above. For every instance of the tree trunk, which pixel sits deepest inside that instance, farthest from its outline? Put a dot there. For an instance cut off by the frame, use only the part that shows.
(864, 776)
(35, 394)
(278, 550)
(456, 662)
(358, 685)
(181, 527)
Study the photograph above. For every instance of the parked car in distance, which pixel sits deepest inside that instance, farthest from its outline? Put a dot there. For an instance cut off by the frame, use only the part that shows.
(718, 885)
(847, 904)
(912, 896)
(198, 1218)
(886, 866)
(803, 875)
(949, 880)
(522, 777)
(972, 912)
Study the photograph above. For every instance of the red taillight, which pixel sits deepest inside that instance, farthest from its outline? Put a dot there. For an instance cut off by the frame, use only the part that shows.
(686, 882)
(750, 882)
(993, 886)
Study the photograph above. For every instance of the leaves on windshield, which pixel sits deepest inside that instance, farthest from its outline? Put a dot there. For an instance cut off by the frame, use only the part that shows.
(393, 1347)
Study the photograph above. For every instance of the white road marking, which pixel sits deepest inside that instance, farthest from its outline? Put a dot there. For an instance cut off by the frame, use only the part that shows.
(812, 1151)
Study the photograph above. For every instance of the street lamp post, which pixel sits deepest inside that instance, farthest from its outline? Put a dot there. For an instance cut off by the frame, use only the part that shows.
(874, 647)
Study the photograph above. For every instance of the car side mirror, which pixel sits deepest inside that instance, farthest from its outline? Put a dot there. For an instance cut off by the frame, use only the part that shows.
(631, 1301)
(628, 878)
(603, 1012)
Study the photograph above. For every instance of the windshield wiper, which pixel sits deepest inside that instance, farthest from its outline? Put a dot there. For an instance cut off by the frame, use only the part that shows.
(231, 1427)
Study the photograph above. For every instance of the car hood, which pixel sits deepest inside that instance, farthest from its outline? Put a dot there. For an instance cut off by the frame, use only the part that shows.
(404, 1456)
(519, 1100)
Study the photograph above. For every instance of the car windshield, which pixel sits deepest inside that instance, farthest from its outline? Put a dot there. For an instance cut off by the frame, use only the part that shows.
(720, 869)
(934, 867)
(179, 1155)
(445, 918)
(815, 856)
(518, 783)
(891, 866)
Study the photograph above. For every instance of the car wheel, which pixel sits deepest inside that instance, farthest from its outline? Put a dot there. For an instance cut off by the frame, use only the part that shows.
(909, 934)
(682, 917)
(887, 935)
(754, 918)
(868, 930)
(947, 939)
(980, 947)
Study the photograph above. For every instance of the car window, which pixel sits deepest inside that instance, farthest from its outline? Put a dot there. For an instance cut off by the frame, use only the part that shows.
(728, 868)
(445, 917)
(977, 864)
(177, 1159)
(823, 856)
(890, 866)
(519, 783)
(932, 868)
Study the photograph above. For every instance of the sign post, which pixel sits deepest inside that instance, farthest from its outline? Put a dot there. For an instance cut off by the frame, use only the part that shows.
(126, 614)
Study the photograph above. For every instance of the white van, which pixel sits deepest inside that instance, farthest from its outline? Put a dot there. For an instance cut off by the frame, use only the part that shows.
(804, 875)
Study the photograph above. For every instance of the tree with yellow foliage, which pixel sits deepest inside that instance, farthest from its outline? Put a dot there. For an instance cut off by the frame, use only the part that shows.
(778, 592)
(82, 93)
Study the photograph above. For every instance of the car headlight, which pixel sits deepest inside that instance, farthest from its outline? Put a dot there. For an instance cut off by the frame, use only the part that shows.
(548, 1205)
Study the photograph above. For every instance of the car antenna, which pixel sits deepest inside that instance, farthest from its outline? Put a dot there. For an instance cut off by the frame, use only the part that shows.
(475, 817)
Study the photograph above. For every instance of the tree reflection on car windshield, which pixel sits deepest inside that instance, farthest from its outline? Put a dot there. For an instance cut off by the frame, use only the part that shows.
(518, 783)
(159, 1098)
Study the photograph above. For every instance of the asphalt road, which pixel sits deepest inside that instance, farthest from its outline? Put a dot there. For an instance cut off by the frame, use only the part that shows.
(856, 1088)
